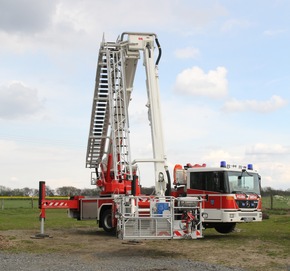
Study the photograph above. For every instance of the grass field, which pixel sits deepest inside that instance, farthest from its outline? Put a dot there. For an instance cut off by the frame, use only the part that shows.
(27, 219)
(255, 246)
(278, 202)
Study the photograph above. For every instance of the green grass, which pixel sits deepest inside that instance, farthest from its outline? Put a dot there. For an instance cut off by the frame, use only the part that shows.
(23, 214)
(270, 235)
(8, 203)
(275, 230)
(278, 203)
(28, 219)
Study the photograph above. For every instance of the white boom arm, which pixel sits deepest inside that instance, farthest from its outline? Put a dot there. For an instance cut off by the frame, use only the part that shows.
(145, 43)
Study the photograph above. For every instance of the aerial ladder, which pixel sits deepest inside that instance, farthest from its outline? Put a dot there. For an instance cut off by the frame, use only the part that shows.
(109, 143)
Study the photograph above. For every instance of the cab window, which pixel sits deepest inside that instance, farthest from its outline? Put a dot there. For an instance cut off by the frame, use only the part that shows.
(209, 181)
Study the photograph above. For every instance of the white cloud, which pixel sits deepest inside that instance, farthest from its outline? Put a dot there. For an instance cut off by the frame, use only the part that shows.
(6, 146)
(274, 103)
(194, 81)
(28, 16)
(18, 100)
(233, 24)
(42, 162)
(268, 149)
(48, 25)
(217, 155)
(79, 24)
(274, 174)
(188, 52)
(272, 162)
(274, 32)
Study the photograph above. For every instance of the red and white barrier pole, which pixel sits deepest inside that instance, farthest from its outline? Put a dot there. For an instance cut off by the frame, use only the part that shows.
(41, 197)
(42, 193)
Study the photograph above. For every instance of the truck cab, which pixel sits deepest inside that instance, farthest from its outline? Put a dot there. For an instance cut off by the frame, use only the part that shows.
(232, 194)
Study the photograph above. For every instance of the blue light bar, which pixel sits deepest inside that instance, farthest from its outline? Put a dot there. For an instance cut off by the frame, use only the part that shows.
(223, 164)
(250, 166)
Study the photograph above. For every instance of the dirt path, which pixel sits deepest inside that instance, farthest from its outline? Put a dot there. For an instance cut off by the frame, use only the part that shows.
(96, 248)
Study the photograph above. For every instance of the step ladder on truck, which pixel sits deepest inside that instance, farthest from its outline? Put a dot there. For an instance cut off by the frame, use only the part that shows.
(182, 211)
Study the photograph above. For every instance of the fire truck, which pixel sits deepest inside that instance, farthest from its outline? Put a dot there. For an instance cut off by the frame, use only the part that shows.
(231, 193)
(201, 197)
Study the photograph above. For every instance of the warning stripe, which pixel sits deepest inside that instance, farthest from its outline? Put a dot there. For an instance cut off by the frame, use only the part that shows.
(181, 233)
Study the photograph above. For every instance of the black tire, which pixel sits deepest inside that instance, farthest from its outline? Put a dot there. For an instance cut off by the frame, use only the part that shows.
(107, 221)
(225, 227)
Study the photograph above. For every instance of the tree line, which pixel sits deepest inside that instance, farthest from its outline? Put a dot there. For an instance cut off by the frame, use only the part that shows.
(73, 191)
(269, 191)
(60, 191)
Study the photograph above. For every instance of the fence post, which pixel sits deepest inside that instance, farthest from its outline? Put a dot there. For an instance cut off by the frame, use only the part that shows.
(2, 204)
(271, 201)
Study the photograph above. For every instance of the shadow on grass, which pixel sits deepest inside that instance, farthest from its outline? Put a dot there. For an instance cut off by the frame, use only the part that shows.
(140, 250)
(101, 233)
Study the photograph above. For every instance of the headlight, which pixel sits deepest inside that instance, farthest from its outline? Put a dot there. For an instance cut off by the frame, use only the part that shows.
(205, 215)
(232, 215)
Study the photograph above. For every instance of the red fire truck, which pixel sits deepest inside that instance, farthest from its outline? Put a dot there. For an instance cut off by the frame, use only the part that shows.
(231, 193)
(201, 197)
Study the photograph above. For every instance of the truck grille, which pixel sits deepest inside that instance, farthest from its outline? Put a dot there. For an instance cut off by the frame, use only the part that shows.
(248, 204)
(247, 214)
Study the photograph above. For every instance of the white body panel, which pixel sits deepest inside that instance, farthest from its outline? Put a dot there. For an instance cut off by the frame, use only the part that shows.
(220, 215)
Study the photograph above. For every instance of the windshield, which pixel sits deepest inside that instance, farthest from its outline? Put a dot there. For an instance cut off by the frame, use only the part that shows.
(244, 182)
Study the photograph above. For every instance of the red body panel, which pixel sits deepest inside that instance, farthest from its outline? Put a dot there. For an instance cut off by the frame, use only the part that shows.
(216, 200)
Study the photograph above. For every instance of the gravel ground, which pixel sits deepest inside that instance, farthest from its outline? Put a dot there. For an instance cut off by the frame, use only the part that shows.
(95, 261)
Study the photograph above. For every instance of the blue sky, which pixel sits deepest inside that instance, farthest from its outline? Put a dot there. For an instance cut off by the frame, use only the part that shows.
(224, 82)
